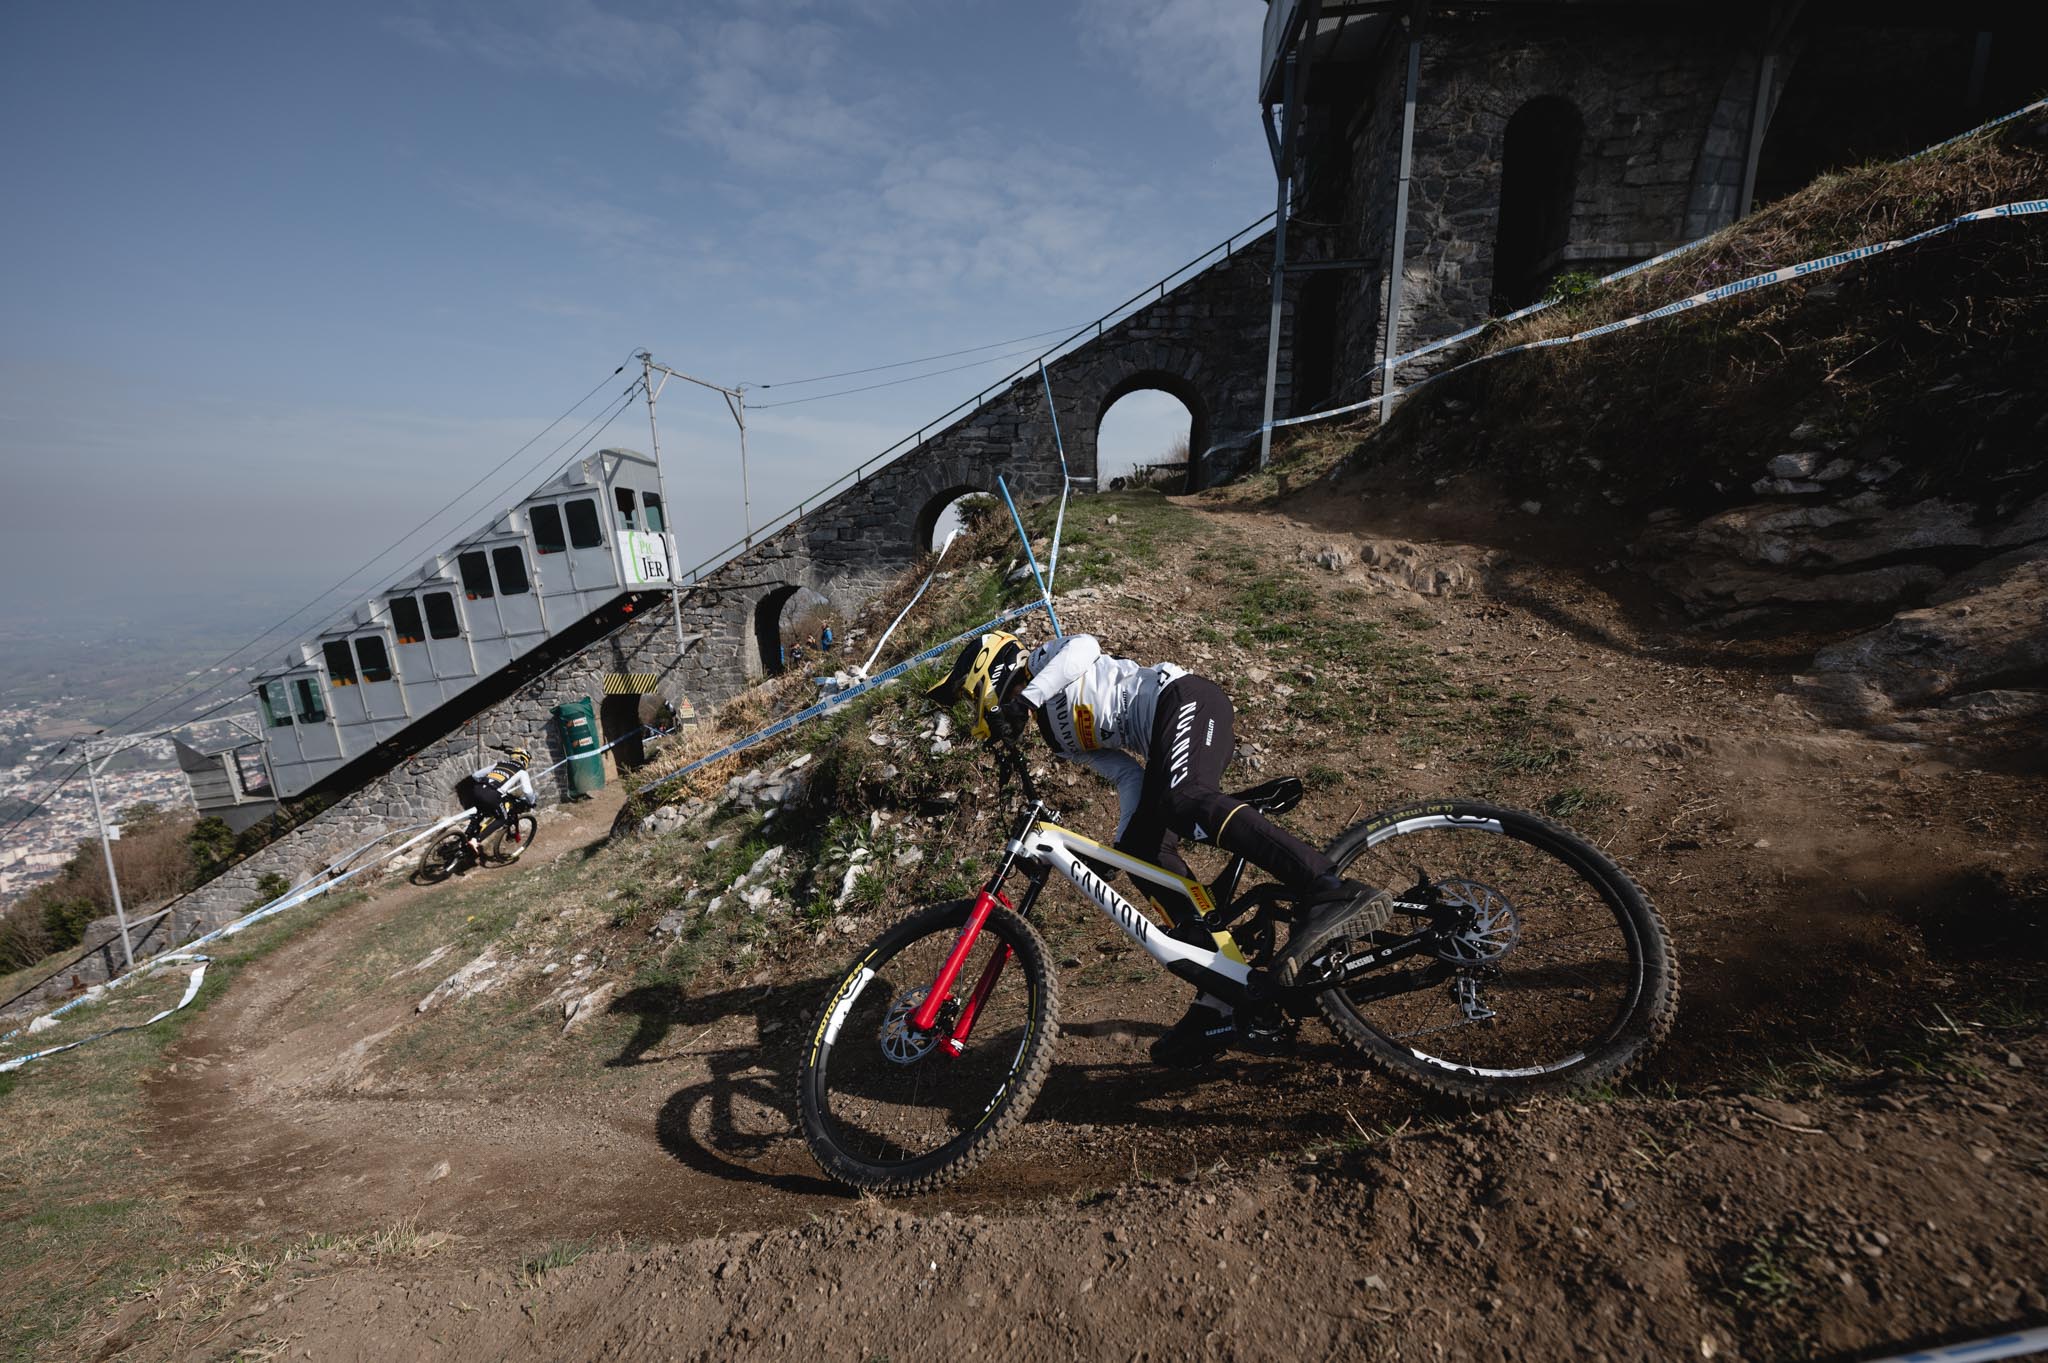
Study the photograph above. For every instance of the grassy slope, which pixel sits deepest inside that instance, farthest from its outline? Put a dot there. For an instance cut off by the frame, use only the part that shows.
(86, 1214)
(1931, 357)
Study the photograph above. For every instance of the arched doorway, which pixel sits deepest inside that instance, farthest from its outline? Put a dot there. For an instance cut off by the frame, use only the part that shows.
(1538, 177)
(1151, 431)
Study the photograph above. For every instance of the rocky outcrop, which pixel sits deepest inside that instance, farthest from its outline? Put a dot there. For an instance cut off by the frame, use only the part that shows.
(1975, 654)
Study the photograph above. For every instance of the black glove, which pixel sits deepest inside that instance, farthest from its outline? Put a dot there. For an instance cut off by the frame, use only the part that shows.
(1009, 719)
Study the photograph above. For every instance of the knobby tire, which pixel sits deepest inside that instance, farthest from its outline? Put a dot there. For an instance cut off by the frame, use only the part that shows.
(847, 1082)
(1624, 999)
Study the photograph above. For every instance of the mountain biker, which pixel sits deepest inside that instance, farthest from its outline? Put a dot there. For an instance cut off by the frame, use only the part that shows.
(491, 786)
(1105, 713)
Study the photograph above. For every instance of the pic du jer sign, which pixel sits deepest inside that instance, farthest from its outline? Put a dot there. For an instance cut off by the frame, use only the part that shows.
(645, 557)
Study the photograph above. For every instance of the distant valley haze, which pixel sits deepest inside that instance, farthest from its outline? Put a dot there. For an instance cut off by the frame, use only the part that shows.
(283, 279)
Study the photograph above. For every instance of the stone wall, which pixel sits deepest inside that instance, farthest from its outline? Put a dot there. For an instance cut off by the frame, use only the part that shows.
(1665, 114)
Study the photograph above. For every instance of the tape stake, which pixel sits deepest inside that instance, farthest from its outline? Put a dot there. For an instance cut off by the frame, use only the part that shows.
(831, 703)
(1029, 557)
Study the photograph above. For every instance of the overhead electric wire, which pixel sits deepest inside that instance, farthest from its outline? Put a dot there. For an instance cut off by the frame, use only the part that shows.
(623, 401)
(928, 359)
(891, 383)
(615, 411)
(436, 515)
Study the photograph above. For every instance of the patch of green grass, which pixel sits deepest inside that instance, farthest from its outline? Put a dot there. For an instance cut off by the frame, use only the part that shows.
(560, 1254)
(1578, 801)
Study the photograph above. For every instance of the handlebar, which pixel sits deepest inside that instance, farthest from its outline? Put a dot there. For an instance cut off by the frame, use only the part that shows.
(1009, 755)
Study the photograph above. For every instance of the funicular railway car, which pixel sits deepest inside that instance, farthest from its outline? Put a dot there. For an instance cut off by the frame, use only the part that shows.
(595, 533)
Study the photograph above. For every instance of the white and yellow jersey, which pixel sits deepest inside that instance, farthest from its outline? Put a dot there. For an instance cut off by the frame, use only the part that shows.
(1093, 704)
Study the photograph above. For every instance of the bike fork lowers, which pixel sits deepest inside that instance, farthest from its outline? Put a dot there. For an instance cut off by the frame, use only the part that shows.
(927, 1015)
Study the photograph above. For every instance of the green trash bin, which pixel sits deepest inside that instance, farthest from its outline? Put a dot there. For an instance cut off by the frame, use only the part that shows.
(578, 719)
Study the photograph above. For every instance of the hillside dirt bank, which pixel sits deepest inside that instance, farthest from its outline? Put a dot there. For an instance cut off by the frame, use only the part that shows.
(1840, 1146)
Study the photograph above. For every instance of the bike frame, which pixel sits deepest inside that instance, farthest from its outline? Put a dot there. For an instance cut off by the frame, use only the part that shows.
(1047, 846)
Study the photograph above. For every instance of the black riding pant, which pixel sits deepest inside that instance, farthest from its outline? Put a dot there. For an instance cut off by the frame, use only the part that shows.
(1192, 741)
(490, 805)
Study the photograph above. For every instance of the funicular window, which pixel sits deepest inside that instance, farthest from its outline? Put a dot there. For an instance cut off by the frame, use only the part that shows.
(584, 530)
(476, 575)
(311, 709)
(249, 772)
(341, 668)
(442, 622)
(405, 620)
(375, 658)
(547, 528)
(277, 705)
(656, 522)
(627, 518)
(511, 565)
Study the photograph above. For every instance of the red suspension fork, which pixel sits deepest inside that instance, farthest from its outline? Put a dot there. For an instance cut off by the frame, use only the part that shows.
(927, 1015)
(957, 1043)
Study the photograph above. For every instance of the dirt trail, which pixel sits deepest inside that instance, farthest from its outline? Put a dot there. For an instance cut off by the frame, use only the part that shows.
(1820, 888)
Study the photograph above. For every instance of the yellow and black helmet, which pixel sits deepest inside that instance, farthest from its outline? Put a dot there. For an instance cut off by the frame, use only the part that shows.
(521, 756)
(984, 672)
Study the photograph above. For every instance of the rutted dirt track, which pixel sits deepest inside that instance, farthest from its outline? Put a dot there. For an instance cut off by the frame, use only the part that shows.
(1820, 888)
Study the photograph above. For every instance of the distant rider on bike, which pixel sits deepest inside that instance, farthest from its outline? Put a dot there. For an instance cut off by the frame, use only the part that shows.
(492, 786)
(1105, 713)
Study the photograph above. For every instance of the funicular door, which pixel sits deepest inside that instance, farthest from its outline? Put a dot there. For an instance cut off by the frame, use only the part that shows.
(591, 568)
(383, 699)
(313, 731)
(447, 641)
(344, 686)
(520, 612)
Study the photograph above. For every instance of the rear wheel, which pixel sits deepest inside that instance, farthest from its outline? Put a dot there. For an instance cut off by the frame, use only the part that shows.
(507, 845)
(889, 1109)
(1558, 975)
(441, 858)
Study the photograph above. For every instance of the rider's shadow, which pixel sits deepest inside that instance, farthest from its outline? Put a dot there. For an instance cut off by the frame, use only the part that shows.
(740, 1121)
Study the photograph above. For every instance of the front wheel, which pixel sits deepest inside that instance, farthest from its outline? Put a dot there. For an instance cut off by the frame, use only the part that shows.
(1547, 969)
(888, 1109)
(506, 845)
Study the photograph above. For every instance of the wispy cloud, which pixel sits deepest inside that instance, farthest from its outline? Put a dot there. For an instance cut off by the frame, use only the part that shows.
(1203, 54)
(577, 38)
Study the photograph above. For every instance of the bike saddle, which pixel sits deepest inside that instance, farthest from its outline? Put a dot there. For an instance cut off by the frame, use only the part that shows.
(1275, 797)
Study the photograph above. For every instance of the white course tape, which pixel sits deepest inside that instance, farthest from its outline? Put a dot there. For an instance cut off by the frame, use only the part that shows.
(313, 888)
(1469, 332)
(862, 670)
(1721, 293)
(1977, 1350)
(191, 989)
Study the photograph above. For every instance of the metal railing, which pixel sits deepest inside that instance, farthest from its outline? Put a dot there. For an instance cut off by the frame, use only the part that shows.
(1151, 293)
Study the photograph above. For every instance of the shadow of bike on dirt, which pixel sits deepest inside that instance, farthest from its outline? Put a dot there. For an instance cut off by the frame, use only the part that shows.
(739, 1122)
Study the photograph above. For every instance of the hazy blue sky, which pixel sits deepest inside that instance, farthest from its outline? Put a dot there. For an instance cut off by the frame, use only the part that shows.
(281, 278)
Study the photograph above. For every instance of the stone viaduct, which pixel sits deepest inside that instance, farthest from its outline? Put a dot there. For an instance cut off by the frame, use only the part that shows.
(1203, 341)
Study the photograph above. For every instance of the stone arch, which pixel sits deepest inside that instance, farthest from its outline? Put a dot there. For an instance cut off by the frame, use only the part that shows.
(1538, 183)
(1175, 386)
(767, 659)
(934, 506)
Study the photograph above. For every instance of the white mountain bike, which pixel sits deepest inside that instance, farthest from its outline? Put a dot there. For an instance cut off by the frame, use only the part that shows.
(1518, 959)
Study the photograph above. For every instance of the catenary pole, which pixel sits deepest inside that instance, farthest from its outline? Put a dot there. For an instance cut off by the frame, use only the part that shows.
(1390, 346)
(675, 589)
(99, 817)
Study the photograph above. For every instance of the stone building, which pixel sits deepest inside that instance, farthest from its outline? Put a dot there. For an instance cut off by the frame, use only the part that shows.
(1555, 136)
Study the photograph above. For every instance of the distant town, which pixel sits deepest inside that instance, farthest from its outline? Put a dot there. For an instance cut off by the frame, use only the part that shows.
(38, 848)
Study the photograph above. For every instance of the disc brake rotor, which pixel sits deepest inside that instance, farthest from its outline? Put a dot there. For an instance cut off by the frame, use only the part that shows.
(1494, 928)
(901, 1043)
